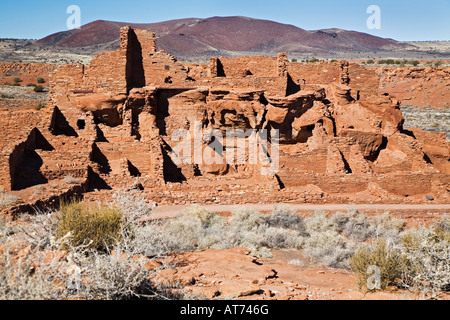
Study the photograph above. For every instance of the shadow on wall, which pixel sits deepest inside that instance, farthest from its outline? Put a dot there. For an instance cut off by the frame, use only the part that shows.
(26, 163)
(95, 182)
(171, 172)
(98, 157)
(135, 74)
(134, 171)
(60, 126)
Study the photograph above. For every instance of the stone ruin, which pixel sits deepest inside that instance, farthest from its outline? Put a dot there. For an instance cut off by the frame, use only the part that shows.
(108, 126)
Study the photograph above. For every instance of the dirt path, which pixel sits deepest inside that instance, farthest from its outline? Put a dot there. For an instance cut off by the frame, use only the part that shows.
(427, 209)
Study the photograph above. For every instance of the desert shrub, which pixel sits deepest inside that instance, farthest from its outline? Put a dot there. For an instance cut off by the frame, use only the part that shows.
(328, 248)
(296, 262)
(325, 244)
(294, 60)
(320, 222)
(79, 274)
(428, 257)
(96, 228)
(438, 64)
(370, 61)
(193, 229)
(247, 228)
(415, 63)
(205, 217)
(31, 85)
(7, 200)
(22, 280)
(39, 89)
(112, 277)
(17, 80)
(246, 219)
(390, 261)
(387, 61)
(132, 205)
(442, 227)
(198, 229)
(5, 230)
(40, 80)
(388, 227)
(354, 225)
(40, 106)
(284, 217)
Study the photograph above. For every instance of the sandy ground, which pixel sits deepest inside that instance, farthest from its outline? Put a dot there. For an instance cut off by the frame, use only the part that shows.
(169, 211)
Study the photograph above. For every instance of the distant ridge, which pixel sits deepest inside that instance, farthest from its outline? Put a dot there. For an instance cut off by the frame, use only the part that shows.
(194, 37)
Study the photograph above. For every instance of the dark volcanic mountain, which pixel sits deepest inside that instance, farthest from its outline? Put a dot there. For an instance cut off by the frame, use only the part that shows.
(227, 36)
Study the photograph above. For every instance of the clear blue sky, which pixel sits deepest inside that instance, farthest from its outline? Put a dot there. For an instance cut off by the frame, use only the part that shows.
(401, 19)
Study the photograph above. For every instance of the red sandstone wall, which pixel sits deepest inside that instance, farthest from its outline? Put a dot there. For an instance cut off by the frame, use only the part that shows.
(259, 66)
(361, 79)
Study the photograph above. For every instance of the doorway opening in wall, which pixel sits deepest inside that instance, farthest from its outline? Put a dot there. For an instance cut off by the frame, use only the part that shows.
(81, 124)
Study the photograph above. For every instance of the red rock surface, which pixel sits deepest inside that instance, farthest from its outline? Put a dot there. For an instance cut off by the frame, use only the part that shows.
(233, 273)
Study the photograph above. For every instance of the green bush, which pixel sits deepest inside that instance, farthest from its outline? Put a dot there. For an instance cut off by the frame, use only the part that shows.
(415, 63)
(17, 80)
(370, 61)
(40, 80)
(388, 61)
(40, 106)
(39, 89)
(98, 228)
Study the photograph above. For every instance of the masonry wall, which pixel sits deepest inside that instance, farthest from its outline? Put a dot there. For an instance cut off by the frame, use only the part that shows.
(364, 80)
(259, 66)
(17, 126)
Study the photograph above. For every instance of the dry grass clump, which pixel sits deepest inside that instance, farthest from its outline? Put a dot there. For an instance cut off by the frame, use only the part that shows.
(31, 278)
(355, 226)
(97, 228)
(324, 244)
(419, 260)
(198, 229)
(390, 261)
(78, 269)
(428, 254)
(7, 200)
(132, 205)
